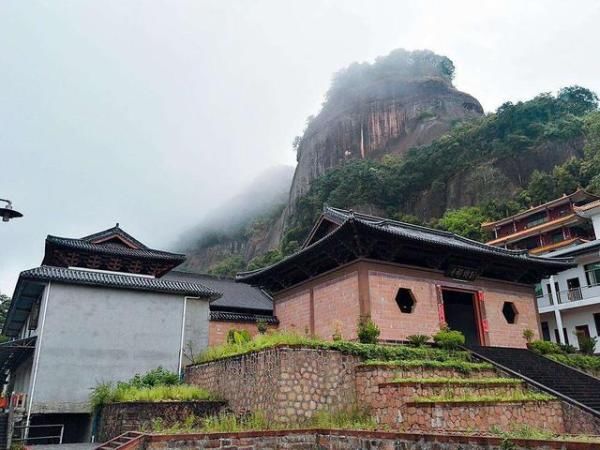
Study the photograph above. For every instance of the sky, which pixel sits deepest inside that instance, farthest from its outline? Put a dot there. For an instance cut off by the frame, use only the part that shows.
(152, 113)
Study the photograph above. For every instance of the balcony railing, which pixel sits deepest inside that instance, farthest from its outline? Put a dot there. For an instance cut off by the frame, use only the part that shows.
(571, 295)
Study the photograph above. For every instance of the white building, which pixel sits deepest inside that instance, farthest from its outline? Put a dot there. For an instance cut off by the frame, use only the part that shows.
(569, 303)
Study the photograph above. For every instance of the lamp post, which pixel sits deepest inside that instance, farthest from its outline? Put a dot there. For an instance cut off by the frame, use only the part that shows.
(8, 212)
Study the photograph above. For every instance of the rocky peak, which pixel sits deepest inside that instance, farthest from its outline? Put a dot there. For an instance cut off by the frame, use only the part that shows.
(401, 101)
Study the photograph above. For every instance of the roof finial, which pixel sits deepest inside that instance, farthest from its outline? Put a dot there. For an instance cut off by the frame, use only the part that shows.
(117, 225)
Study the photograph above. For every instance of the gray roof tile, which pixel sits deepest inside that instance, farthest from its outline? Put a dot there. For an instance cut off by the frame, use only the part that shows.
(112, 249)
(237, 296)
(120, 281)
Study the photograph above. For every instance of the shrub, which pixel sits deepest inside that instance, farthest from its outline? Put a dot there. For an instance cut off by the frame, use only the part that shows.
(261, 325)
(449, 339)
(337, 331)
(583, 362)
(567, 348)
(545, 347)
(238, 337)
(587, 345)
(417, 340)
(367, 331)
(154, 386)
(528, 334)
(155, 377)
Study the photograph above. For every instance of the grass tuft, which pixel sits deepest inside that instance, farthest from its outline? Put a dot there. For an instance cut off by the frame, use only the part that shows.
(451, 397)
(459, 365)
(460, 381)
(365, 351)
(528, 432)
(354, 418)
(157, 385)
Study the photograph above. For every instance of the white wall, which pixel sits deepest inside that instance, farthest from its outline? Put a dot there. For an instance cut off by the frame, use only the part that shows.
(572, 318)
(93, 335)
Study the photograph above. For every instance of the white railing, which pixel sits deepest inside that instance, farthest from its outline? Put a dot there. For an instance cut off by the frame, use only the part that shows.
(571, 295)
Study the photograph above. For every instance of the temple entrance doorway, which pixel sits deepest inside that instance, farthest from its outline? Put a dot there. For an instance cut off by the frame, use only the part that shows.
(459, 310)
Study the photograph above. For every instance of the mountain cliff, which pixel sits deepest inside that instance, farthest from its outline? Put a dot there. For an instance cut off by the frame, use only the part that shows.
(401, 101)
(395, 138)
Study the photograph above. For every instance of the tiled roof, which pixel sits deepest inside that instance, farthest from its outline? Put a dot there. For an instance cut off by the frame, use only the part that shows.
(236, 296)
(578, 195)
(355, 223)
(241, 317)
(114, 231)
(112, 249)
(430, 235)
(586, 247)
(115, 280)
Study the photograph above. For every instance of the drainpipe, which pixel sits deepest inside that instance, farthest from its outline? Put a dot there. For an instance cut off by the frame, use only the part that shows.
(181, 343)
(557, 315)
(36, 361)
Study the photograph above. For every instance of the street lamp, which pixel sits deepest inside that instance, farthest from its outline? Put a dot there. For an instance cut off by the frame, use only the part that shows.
(8, 212)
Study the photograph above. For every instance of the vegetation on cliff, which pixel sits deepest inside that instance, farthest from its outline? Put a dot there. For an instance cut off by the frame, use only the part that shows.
(513, 130)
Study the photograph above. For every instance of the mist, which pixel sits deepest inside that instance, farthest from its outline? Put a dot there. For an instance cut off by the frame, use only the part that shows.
(153, 114)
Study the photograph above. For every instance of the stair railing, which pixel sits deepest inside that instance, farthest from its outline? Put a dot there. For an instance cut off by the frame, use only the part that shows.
(537, 384)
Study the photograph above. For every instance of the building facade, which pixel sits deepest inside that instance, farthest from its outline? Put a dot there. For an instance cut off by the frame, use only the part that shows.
(569, 302)
(556, 224)
(407, 279)
(98, 310)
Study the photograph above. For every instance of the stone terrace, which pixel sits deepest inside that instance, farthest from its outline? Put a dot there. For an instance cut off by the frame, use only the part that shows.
(289, 384)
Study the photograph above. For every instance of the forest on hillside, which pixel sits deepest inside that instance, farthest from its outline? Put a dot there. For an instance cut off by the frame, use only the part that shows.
(513, 129)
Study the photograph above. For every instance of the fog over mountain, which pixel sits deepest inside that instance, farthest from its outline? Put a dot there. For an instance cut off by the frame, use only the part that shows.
(155, 114)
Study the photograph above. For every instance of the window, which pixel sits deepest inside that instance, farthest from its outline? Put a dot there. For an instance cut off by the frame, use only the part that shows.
(557, 237)
(405, 301)
(539, 292)
(545, 331)
(537, 219)
(597, 322)
(564, 334)
(34, 315)
(592, 273)
(509, 312)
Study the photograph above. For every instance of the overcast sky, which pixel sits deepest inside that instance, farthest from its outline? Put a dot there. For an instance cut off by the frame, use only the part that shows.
(150, 113)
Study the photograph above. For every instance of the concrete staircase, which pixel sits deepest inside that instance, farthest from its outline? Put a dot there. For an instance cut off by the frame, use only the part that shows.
(565, 382)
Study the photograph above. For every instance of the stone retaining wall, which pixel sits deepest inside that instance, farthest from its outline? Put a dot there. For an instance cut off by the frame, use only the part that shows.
(542, 415)
(117, 418)
(288, 384)
(348, 440)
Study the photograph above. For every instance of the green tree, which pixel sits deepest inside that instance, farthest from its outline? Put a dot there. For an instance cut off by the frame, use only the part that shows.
(228, 267)
(541, 188)
(465, 222)
(577, 100)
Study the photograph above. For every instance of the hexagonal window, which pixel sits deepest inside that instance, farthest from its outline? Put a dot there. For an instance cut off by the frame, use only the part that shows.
(509, 311)
(405, 300)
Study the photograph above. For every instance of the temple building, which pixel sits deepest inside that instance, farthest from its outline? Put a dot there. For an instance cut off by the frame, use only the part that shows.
(569, 302)
(408, 279)
(553, 225)
(102, 308)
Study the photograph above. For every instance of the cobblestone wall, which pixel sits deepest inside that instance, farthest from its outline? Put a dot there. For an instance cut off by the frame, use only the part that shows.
(347, 440)
(287, 384)
(117, 418)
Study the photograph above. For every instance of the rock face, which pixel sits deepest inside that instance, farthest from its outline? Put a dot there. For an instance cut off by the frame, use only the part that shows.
(498, 180)
(258, 242)
(389, 116)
